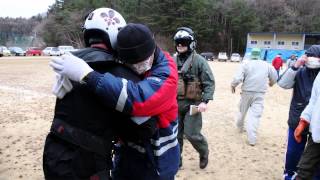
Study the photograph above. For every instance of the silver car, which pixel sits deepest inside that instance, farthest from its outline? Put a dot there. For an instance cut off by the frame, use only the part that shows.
(235, 57)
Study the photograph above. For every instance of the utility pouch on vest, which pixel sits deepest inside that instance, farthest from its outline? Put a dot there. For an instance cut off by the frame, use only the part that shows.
(80, 138)
(181, 86)
(193, 90)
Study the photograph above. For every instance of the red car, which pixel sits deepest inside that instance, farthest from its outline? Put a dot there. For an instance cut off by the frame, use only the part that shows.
(34, 51)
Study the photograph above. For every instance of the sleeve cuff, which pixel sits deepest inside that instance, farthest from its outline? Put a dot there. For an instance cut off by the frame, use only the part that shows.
(205, 101)
(294, 68)
(92, 80)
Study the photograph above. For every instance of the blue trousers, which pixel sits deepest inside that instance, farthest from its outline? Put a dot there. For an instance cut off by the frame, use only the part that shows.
(293, 155)
(130, 164)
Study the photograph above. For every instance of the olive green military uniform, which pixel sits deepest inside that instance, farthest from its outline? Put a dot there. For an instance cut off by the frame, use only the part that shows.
(196, 85)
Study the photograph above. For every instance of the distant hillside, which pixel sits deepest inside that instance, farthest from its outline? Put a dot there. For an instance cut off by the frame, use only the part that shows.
(219, 25)
(20, 31)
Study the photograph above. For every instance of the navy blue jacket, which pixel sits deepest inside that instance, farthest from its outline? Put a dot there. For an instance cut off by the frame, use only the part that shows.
(301, 80)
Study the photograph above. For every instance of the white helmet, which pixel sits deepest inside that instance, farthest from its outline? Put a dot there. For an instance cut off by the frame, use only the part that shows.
(185, 34)
(104, 24)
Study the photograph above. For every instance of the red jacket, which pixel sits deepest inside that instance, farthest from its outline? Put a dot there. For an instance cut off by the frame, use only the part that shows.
(277, 63)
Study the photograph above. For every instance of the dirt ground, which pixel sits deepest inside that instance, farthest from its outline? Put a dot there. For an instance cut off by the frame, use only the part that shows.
(26, 111)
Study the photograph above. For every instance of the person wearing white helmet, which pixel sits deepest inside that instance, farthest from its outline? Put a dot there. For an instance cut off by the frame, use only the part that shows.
(102, 26)
(79, 143)
(195, 88)
(154, 97)
(255, 76)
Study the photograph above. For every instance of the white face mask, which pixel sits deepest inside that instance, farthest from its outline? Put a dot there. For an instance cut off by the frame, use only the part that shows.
(313, 62)
(142, 66)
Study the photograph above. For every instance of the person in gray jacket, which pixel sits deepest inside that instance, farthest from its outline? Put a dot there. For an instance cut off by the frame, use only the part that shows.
(291, 61)
(255, 75)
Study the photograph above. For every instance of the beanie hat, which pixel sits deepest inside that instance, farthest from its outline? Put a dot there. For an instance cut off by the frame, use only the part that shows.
(255, 53)
(135, 43)
(313, 51)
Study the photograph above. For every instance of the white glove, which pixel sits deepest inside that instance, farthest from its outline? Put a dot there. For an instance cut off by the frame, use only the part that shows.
(70, 66)
(61, 86)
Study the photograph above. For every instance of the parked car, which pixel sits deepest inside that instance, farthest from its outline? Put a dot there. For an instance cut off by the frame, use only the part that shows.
(46, 51)
(17, 51)
(222, 56)
(55, 52)
(4, 51)
(64, 49)
(208, 56)
(235, 57)
(34, 51)
(51, 51)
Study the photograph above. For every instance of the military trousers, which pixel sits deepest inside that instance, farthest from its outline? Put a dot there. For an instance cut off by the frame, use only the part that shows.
(309, 163)
(190, 126)
(250, 108)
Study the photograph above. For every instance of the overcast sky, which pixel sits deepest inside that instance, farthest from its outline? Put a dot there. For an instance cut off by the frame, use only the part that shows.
(23, 8)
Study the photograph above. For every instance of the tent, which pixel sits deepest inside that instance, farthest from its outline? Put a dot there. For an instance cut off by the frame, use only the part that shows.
(269, 54)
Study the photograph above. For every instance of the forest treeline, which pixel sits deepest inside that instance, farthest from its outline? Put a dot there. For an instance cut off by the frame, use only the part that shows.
(219, 24)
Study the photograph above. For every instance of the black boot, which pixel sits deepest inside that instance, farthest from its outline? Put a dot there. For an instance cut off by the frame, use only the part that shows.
(180, 164)
(204, 159)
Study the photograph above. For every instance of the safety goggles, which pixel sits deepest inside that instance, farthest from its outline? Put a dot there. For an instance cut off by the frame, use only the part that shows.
(182, 42)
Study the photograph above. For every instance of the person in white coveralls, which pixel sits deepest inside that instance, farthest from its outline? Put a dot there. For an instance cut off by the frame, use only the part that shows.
(255, 75)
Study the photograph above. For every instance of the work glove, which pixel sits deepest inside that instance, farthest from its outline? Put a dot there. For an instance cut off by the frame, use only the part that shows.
(233, 89)
(202, 107)
(303, 124)
(71, 67)
(61, 86)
